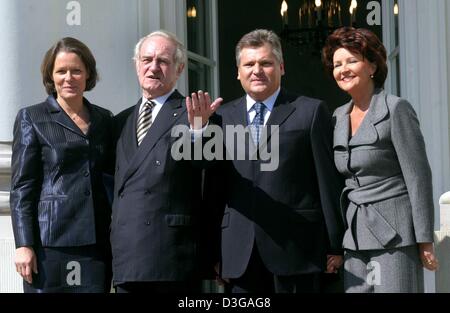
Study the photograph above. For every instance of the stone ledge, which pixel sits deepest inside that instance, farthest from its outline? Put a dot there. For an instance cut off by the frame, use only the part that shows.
(442, 243)
(4, 202)
(5, 158)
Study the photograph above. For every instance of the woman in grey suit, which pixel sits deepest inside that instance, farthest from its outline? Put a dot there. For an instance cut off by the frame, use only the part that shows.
(62, 150)
(378, 147)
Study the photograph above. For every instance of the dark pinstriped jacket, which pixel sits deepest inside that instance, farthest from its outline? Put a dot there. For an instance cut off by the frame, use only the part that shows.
(57, 191)
(159, 229)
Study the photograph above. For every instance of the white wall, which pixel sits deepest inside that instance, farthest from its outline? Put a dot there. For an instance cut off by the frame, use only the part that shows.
(108, 27)
(10, 281)
(425, 81)
(447, 27)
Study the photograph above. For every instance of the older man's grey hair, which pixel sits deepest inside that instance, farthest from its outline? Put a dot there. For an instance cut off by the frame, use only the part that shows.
(180, 52)
(258, 38)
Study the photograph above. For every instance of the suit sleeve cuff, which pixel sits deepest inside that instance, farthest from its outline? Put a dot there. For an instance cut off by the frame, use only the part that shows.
(197, 133)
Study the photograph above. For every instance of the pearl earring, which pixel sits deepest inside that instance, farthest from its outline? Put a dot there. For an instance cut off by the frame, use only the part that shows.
(371, 76)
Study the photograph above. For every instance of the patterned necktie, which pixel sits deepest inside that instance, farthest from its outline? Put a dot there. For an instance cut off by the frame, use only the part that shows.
(257, 123)
(144, 121)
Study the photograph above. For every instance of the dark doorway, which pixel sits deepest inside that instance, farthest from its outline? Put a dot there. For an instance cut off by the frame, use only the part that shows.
(304, 71)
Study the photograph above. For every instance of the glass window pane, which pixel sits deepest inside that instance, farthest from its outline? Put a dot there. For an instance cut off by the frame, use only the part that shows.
(394, 72)
(198, 26)
(396, 12)
(199, 76)
(397, 76)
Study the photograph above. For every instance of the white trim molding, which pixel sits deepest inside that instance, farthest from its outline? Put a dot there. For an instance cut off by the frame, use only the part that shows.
(5, 176)
(425, 85)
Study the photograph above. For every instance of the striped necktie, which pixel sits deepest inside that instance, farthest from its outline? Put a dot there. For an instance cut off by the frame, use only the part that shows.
(144, 121)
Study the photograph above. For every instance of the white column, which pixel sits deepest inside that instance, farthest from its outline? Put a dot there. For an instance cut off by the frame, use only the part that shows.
(173, 19)
(447, 48)
(168, 15)
(425, 81)
(443, 234)
(11, 63)
(10, 281)
(442, 239)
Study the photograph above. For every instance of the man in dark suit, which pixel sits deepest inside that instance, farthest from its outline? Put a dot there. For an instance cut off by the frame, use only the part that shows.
(281, 226)
(157, 223)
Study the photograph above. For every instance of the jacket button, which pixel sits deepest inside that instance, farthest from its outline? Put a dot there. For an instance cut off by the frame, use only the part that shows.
(87, 193)
(86, 173)
(158, 163)
(147, 223)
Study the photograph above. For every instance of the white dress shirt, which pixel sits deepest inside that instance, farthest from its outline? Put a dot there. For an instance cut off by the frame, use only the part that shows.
(269, 103)
(158, 103)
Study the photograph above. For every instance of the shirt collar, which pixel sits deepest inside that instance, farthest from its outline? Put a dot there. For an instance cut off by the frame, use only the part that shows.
(269, 102)
(159, 100)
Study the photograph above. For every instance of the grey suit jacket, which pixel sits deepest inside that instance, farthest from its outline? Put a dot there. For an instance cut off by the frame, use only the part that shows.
(387, 201)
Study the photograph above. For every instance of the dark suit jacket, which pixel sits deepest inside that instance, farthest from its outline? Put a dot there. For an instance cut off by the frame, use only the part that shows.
(290, 214)
(57, 191)
(155, 232)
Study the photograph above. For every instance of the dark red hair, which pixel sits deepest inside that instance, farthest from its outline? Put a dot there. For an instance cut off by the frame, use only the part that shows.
(360, 41)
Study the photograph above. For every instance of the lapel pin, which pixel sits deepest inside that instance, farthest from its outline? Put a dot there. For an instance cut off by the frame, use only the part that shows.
(175, 114)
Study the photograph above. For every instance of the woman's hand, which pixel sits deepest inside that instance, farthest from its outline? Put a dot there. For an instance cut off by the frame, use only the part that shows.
(334, 262)
(427, 256)
(220, 281)
(26, 263)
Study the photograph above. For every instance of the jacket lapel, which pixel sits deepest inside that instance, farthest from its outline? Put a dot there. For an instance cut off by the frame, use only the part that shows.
(169, 114)
(128, 139)
(95, 118)
(341, 132)
(60, 117)
(367, 133)
(239, 113)
(281, 110)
